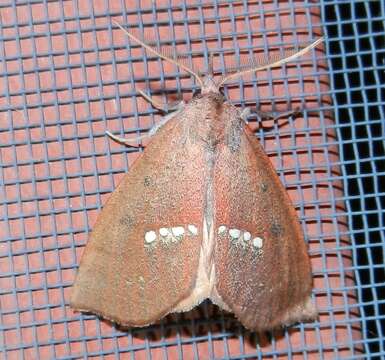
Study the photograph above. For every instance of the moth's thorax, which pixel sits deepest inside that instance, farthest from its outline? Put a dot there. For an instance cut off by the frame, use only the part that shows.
(209, 119)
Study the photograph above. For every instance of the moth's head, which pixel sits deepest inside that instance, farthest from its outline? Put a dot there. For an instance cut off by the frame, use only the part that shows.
(209, 85)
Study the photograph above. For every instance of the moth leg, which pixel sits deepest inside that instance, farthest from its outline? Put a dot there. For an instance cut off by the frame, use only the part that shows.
(161, 106)
(275, 115)
(127, 142)
(153, 130)
(246, 112)
(166, 118)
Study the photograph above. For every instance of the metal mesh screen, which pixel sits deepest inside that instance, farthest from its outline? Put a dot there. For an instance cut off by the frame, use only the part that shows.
(68, 75)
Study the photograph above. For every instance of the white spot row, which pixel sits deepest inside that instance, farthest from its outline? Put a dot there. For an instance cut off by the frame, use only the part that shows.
(174, 233)
(239, 235)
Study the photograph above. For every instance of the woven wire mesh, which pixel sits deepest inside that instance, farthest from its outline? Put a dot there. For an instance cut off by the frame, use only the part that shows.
(68, 75)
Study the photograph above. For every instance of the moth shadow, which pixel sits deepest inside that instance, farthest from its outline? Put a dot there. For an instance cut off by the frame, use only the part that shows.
(203, 320)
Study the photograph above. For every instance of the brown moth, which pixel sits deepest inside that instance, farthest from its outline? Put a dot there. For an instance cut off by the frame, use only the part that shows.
(201, 215)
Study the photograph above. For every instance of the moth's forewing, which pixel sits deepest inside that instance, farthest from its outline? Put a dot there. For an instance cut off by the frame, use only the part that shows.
(262, 267)
(125, 275)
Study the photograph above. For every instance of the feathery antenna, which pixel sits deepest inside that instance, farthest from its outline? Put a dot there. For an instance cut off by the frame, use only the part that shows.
(246, 67)
(267, 62)
(166, 54)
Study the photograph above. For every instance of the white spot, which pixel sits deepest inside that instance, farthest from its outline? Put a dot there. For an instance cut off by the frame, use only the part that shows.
(163, 232)
(258, 242)
(235, 233)
(193, 229)
(246, 236)
(222, 229)
(149, 237)
(177, 231)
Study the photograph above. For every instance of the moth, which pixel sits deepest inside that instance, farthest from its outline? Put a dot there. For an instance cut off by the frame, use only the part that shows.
(201, 215)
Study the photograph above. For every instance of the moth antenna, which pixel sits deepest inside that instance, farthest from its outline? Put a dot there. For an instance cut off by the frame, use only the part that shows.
(266, 62)
(169, 55)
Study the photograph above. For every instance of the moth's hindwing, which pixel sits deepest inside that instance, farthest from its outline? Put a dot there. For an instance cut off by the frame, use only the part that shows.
(142, 257)
(262, 267)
